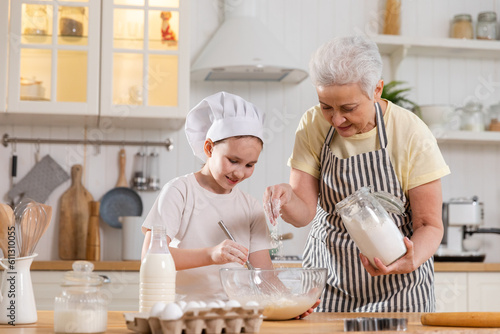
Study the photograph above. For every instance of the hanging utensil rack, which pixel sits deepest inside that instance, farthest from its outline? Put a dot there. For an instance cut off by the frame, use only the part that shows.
(168, 143)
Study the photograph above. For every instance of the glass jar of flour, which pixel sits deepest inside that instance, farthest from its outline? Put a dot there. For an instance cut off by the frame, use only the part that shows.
(364, 214)
(81, 307)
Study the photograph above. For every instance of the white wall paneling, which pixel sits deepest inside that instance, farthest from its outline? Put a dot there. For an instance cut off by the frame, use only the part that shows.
(302, 25)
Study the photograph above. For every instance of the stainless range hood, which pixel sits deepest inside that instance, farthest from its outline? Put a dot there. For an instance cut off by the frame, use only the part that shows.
(243, 49)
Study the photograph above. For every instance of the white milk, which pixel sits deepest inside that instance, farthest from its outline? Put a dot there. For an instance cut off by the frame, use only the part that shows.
(157, 280)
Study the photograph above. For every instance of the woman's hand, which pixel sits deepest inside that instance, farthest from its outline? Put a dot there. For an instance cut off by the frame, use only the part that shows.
(309, 311)
(274, 197)
(229, 251)
(403, 265)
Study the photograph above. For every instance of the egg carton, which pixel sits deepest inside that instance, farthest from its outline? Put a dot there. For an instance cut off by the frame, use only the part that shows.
(247, 319)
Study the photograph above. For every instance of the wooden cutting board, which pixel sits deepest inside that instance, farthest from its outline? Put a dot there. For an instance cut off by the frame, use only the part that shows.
(6, 221)
(74, 218)
(462, 319)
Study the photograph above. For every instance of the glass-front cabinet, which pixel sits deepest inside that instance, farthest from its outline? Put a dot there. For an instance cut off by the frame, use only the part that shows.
(145, 59)
(54, 57)
(4, 28)
(121, 59)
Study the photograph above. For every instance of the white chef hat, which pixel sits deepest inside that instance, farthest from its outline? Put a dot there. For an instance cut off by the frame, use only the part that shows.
(221, 116)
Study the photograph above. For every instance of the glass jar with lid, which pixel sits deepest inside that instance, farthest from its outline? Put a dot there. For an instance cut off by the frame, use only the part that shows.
(81, 307)
(461, 27)
(486, 27)
(366, 218)
(473, 116)
(37, 22)
(71, 21)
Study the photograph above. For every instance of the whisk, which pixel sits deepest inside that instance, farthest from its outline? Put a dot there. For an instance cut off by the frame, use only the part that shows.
(31, 221)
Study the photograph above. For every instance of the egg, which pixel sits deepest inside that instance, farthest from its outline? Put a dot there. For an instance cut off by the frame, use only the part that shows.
(220, 302)
(157, 309)
(171, 311)
(252, 303)
(213, 305)
(202, 304)
(232, 303)
(182, 304)
(192, 305)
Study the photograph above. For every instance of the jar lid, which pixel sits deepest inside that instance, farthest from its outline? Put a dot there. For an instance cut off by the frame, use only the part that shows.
(487, 16)
(390, 202)
(82, 275)
(72, 9)
(462, 17)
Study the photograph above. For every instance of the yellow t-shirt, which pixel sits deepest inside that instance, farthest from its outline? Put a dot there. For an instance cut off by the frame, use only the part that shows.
(411, 146)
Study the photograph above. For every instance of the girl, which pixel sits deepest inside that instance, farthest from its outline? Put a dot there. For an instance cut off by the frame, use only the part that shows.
(226, 132)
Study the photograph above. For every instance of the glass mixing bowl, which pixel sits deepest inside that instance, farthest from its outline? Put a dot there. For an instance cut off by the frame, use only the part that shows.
(285, 293)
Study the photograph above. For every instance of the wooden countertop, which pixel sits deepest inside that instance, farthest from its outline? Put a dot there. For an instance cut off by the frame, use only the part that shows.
(315, 323)
(135, 265)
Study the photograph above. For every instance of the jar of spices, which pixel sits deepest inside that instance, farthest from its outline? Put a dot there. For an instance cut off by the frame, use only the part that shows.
(486, 26)
(461, 26)
(71, 21)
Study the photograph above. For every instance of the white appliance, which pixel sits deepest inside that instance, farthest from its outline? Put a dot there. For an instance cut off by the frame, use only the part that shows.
(243, 49)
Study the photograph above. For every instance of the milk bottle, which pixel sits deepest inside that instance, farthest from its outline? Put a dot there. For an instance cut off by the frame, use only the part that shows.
(157, 273)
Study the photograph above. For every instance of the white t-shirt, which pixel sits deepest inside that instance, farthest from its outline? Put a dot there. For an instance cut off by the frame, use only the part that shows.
(191, 214)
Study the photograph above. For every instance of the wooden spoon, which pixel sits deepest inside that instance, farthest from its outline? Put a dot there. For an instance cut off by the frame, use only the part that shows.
(6, 220)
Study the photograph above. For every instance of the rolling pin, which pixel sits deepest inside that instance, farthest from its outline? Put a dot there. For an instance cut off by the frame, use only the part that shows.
(93, 249)
(462, 319)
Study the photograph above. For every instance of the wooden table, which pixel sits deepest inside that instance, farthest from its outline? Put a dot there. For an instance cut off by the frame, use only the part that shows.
(314, 324)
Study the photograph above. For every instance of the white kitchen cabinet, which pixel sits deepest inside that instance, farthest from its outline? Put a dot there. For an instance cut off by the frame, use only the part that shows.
(122, 292)
(4, 19)
(54, 69)
(98, 62)
(145, 60)
(484, 292)
(451, 291)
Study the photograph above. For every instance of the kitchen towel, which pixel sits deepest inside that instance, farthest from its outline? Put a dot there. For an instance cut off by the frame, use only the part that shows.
(40, 181)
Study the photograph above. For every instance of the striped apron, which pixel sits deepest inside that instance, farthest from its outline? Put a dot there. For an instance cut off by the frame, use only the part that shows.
(349, 287)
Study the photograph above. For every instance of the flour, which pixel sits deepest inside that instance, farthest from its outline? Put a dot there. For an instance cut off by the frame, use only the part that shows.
(80, 321)
(376, 238)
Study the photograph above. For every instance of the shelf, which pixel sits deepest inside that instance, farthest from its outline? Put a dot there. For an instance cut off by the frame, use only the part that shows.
(471, 137)
(438, 47)
(399, 47)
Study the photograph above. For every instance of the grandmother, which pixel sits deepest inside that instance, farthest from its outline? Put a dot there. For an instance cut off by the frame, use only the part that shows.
(354, 138)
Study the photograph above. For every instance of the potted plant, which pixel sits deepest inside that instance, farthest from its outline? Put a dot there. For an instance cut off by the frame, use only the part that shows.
(397, 95)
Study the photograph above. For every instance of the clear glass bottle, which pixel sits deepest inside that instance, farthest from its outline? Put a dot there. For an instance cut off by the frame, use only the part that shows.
(153, 173)
(461, 27)
(365, 217)
(140, 169)
(157, 272)
(71, 21)
(81, 307)
(486, 27)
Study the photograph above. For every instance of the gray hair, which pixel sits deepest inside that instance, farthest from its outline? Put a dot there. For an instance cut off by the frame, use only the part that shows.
(347, 60)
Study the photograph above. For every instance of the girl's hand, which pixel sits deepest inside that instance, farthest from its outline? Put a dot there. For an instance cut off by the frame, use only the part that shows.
(404, 265)
(229, 251)
(274, 197)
